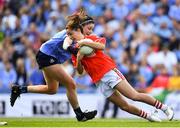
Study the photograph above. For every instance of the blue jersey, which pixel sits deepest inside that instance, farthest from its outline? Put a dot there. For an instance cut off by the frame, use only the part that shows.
(54, 47)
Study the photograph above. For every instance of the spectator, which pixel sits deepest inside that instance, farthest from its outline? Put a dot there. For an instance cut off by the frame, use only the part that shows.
(165, 4)
(24, 18)
(152, 57)
(108, 14)
(15, 5)
(167, 58)
(163, 24)
(174, 80)
(145, 71)
(56, 4)
(120, 10)
(107, 107)
(30, 62)
(32, 6)
(34, 74)
(155, 43)
(74, 5)
(147, 8)
(145, 26)
(2, 3)
(115, 50)
(100, 26)
(53, 23)
(124, 63)
(64, 11)
(174, 11)
(161, 18)
(84, 83)
(120, 36)
(159, 86)
(34, 36)
(17, 33)
(93, 8)
(39, 19)
(175, 38)
(139, 46)
(7, 73)
(9, 19)
(133, 75)
(22, 77)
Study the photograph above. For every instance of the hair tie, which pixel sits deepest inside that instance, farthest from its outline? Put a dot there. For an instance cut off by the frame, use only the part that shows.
(87, 21)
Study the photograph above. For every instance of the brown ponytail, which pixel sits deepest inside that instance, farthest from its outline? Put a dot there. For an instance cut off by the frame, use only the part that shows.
(78, 20)
(74, 22)
(82, 13)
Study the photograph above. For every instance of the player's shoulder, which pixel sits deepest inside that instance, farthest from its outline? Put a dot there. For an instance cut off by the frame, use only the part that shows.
(60, 34)
(96, 38)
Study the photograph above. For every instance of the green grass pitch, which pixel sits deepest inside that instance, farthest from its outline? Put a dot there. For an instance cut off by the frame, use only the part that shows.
(95, 123)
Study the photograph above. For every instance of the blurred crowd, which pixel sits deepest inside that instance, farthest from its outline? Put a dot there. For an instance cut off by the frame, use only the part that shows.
(143, 38)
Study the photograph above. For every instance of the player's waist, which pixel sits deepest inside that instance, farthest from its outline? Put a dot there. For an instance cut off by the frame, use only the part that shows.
(96, 76)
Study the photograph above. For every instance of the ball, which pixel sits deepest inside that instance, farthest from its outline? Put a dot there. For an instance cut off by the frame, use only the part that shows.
(86, 50)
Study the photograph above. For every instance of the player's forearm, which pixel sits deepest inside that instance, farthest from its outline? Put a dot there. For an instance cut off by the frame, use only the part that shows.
(79, 67)
(95, 45)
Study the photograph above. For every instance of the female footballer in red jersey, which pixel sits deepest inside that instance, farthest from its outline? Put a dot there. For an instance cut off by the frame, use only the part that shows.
(107, 77)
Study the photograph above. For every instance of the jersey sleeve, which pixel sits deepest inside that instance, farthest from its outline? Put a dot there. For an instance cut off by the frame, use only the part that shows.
(101, 40)
(97, 39)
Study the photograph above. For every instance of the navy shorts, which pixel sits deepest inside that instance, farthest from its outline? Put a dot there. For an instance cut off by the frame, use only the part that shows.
(44, 60)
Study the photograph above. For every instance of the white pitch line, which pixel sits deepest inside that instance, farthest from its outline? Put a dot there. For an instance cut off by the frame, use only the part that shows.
(90, 127)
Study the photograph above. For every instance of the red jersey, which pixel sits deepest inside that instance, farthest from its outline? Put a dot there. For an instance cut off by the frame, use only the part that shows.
(97, 64)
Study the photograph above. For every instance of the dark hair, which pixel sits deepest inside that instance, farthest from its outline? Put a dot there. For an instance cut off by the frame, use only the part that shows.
(87, 20)
(74, 22)
(78, 20)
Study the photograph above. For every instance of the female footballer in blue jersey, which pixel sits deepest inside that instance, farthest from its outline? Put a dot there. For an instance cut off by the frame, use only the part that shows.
(51, 55)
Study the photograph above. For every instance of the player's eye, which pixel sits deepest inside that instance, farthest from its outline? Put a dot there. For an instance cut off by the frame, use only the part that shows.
(90, 28)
